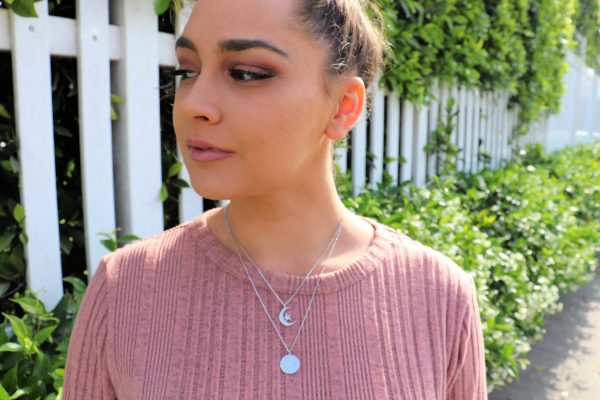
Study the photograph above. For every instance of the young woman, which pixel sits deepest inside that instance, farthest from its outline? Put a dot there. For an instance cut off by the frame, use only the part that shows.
(284, 293)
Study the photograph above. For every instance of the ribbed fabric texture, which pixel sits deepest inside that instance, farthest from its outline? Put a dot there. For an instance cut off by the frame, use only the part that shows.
(174, 317)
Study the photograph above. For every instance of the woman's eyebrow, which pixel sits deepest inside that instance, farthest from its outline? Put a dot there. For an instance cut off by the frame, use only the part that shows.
(245, 44)
(233, 45)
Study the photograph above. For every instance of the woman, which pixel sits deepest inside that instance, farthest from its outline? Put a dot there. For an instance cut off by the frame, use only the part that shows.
(283, 294)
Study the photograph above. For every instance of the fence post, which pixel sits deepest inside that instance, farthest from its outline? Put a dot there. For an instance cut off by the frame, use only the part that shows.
(419, 140)
(137, 132)
(359, 154)
(93, 75)
(376, 132)
(406, 145)
(434, 112)
(392, 148)
(34, 126)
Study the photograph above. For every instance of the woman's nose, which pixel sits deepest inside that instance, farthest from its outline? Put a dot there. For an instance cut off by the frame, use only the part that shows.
(200, 100)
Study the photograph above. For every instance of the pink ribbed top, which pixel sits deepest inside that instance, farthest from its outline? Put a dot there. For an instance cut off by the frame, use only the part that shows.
(174, 317)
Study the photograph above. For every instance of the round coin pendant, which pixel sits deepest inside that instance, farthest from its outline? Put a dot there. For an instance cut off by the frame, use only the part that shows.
(289, 364)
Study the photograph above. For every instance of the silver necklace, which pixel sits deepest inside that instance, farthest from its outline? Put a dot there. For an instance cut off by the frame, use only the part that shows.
(284, 316)
(289, 363)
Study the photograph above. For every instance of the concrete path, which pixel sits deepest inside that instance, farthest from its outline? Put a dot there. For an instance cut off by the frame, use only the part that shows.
(566, 363)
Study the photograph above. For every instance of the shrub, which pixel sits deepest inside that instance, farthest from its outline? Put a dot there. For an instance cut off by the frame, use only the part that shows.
(527, 233)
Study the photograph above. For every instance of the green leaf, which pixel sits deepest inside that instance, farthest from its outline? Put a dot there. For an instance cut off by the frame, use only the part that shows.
(10, 379)
(23, 238)
(66, 245)
(31, 306)
(113, 113)
(44, 334)
(14, 164)
(42, 365)
(19, 328)
(3, 394)
(161, 6)
(180, 183)
(19, 213)
(3, 335)
(11, 347)
(4, 286)
(78, 285)
(62, 131)
(6, 239)
(128, 238)
(174, 169)
(3, 112)
(164, 194)
(109, 244)
(24, 8)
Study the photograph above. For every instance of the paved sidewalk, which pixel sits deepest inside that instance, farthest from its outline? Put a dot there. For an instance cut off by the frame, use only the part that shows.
(566, 363)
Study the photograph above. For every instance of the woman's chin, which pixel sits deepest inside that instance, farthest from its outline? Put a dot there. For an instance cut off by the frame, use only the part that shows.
(217, 191)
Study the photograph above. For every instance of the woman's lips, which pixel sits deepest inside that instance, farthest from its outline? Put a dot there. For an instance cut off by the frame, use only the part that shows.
(203, 155)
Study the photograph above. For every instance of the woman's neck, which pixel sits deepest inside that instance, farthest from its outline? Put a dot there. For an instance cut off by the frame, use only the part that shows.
(288, 237)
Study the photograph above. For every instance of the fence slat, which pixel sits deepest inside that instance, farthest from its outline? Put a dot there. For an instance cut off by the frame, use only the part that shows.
(137, 132)
(496, 130)
(461, 128)
(476, 130)
(4, 30)
(392, 148)
(441, 120)
(406, 138)
(359, 154)
(419, 140)
(34, 125)
(454, 135)
(503, 127)
(376, 132)
(433, 113)
(93, 74)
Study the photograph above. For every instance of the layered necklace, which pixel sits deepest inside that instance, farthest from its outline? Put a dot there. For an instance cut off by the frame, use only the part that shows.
(289, 363)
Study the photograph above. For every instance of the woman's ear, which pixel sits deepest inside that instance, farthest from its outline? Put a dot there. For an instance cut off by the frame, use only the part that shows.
(350, 104)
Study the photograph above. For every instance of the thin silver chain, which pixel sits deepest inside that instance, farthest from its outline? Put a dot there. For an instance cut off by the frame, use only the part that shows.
(264, 278)
(288, 348)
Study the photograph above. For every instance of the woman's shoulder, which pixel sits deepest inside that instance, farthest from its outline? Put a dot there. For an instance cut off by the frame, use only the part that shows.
(168, 246)
(425, 265)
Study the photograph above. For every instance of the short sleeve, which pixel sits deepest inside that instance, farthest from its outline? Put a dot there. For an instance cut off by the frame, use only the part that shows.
(468, 381)
(86, 370)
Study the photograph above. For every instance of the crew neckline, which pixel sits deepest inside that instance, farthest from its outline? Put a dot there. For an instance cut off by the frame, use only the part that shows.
(228, 262)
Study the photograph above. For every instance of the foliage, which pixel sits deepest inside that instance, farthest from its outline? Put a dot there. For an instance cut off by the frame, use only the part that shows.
(68, 180)
(33, 347)
(587, 21)
(527, 233)
(516, 45)
(441, 141)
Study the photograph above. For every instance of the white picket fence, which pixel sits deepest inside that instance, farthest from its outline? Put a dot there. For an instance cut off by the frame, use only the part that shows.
(124, 57)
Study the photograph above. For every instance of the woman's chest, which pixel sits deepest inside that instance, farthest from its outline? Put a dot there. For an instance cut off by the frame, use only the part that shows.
(214, 346)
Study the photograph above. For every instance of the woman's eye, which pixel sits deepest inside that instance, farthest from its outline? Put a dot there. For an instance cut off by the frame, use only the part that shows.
(244, 75)
(183, 74)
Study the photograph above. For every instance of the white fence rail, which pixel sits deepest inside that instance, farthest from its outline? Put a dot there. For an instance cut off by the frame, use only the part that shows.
(124, 57)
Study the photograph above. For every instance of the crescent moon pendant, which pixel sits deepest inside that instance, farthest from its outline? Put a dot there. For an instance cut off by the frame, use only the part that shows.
(285, 318)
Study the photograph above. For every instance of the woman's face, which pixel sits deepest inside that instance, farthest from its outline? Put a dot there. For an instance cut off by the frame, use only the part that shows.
(254, 85)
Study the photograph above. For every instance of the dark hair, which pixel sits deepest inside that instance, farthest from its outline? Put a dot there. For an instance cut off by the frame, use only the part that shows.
(353, 31)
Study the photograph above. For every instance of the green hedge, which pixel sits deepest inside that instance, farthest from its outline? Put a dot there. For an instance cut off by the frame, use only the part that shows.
(527, 233)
